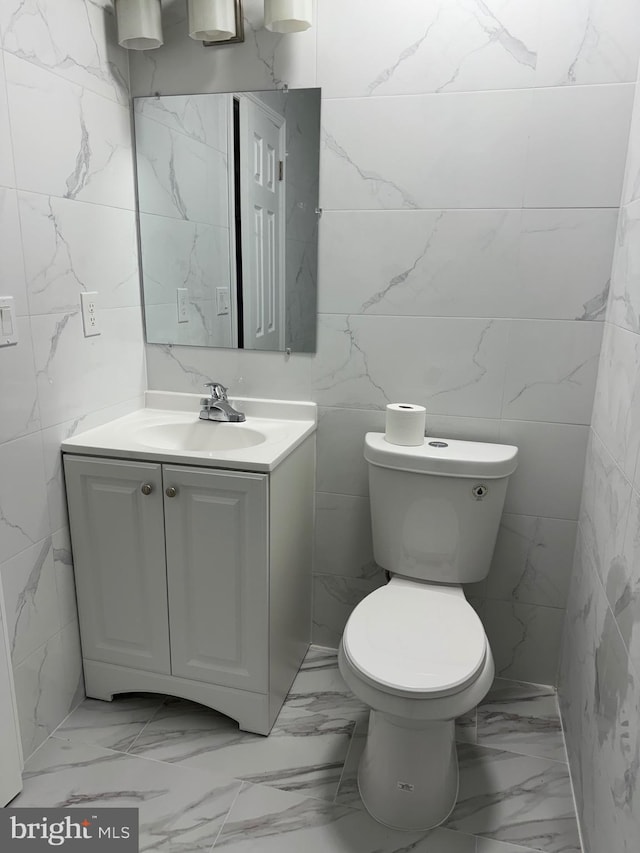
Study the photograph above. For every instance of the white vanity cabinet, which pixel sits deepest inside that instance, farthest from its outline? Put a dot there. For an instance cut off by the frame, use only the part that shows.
(193, 581)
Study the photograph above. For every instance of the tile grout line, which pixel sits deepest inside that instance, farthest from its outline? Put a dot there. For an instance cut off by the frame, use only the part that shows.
(536, 757)
(569, 768)
(334, 801)
(226, 817)
(86, 745)
(151, 718)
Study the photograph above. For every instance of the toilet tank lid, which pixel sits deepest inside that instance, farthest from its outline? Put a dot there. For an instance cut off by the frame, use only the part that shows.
(444, 457)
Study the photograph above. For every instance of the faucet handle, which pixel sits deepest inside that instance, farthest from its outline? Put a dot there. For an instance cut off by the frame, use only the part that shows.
(218, 391)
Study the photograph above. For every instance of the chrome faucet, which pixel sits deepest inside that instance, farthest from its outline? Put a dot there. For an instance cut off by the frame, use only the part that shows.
(217, 407)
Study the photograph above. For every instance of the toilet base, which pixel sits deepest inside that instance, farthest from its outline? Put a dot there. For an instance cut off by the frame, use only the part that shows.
(408, 774)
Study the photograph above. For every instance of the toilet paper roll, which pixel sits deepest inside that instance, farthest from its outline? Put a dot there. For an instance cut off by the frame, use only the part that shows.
(405, 424)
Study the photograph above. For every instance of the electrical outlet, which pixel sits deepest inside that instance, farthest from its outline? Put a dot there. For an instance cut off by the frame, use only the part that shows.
(89, 303)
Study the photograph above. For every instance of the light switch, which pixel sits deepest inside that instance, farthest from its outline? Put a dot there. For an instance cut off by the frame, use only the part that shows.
(8, 327)
(222, 300)
(183, 304)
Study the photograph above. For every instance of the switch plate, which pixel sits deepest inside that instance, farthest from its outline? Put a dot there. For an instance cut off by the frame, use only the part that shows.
(8, 327)
(89, 303)
(222, 300)
(183, 304)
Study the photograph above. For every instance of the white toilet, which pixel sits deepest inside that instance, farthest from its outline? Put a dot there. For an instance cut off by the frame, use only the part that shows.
(415, 651)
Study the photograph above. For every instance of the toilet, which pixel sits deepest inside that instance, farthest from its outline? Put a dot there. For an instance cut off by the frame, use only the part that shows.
(415, 650)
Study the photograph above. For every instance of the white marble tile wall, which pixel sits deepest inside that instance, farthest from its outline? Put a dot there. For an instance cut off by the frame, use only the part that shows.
(599, 678)
(183, 196)
(179, 176)
(471, 171)
(67, 225)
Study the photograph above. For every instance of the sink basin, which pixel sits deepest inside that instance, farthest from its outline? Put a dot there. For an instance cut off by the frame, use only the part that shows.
(204, 436)
(168, 430)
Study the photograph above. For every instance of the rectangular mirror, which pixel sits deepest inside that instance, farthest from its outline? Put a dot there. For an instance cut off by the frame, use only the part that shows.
(228, 218)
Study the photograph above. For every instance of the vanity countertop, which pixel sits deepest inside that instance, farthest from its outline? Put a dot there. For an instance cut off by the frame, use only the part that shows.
(169, 430)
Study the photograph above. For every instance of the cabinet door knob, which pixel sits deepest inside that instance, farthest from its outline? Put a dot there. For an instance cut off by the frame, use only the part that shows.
(146, 489)
(171, 492)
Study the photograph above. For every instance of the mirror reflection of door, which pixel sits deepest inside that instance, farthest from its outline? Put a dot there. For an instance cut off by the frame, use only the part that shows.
(262, 134)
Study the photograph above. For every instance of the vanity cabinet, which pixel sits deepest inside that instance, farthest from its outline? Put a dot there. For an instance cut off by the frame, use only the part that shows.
(193, 581)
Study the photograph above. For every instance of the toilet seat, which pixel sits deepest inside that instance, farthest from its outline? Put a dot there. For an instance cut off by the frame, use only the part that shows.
(415, 640)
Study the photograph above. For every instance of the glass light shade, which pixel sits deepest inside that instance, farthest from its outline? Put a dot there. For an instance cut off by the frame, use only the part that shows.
(288, 16)
(139, 24)
(212, 20)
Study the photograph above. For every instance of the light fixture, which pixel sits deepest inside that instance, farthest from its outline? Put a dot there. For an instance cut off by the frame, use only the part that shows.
(288, 16)
(215, 21)
(212, 22)
(139, 24)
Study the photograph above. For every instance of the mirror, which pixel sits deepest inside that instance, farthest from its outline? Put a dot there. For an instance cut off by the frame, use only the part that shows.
(228, 218)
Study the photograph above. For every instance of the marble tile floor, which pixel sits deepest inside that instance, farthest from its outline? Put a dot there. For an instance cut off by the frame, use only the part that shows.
(200, 783)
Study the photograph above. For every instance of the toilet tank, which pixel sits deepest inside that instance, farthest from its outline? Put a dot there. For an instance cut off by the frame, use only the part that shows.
(436, 508)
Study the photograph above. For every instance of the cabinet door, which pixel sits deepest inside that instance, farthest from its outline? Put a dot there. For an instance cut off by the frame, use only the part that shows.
(117, 534)
(217, 571)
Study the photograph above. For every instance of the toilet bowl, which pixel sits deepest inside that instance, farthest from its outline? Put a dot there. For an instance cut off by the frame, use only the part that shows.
(415, 650)
(408, 776)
